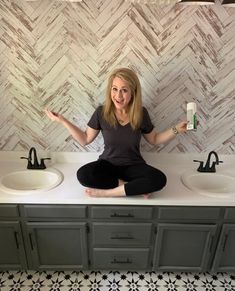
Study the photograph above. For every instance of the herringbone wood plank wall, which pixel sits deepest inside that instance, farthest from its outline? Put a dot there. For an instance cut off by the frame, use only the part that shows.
(58, 55)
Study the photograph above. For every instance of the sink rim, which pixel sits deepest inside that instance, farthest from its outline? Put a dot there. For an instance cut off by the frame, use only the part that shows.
(230, 192)
(59, 179)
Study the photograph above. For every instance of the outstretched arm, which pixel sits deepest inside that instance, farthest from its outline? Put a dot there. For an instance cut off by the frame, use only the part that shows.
(155, 138)
(82, 137)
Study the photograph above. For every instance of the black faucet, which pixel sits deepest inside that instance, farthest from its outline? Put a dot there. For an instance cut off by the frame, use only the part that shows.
(209, 167)
(33, 163)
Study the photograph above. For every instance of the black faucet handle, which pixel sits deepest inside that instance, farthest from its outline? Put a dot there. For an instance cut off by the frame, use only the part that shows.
(42, 164)
(200, 168)
(25, 158)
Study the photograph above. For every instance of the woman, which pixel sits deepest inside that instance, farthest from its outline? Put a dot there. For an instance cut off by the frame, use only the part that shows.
(120, 169)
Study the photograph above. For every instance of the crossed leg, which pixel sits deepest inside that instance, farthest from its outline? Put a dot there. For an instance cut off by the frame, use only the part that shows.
(115, 192)
(101, 179)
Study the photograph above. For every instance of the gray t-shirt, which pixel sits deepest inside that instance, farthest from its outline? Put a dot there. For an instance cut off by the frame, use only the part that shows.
(121, 143)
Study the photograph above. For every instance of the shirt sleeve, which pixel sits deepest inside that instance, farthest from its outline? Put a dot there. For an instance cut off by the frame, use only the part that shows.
(94, 121)
(146, 126)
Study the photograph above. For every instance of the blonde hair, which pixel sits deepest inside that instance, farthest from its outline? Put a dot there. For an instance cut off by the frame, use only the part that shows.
(135, 106)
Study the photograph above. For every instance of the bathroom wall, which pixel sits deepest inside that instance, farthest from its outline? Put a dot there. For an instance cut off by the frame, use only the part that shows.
(57, 55)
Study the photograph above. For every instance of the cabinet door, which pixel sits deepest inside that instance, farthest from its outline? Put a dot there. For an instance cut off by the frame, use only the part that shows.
(225, 254)
(12, 255)
(57, 245)
(183, 247)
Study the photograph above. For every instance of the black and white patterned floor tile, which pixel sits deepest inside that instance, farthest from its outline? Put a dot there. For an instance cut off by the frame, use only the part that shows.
(114, 281)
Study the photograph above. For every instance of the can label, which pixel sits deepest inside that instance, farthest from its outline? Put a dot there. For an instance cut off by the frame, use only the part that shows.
(191, 116)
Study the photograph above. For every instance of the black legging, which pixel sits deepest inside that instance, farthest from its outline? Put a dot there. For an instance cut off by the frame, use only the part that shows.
(140, 178)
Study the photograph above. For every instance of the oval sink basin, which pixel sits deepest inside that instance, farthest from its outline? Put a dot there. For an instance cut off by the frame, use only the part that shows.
(30, 181)
(210, 184)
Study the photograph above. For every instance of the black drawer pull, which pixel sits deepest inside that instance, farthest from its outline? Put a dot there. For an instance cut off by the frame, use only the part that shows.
(121, 262)
(225, 242)
(121, 237)
(16, 239)
(121, 215)
(31, 241)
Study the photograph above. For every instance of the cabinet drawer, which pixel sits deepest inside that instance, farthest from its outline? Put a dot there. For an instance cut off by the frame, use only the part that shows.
(9, 210)
(121, 212)
(116, 259)
(229, 214)
(54, 211)
(185, 213)
(121, 234)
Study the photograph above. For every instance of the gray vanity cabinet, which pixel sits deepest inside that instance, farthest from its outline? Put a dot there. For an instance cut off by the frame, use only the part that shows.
(12, 255)
(121, 237)
(56, 237)
(117, 237)
(185, 238)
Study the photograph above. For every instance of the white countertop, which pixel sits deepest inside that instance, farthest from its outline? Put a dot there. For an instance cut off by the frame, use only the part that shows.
(71, 192)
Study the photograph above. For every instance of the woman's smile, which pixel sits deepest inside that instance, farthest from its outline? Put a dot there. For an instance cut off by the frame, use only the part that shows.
(119, 101)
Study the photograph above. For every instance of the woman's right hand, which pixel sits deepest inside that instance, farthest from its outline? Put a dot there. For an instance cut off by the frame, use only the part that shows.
(82, 137)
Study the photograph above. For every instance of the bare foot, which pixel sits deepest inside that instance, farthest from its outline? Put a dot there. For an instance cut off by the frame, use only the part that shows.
(121, 182)
(146, 196)
(92, 192)
(115, 192)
